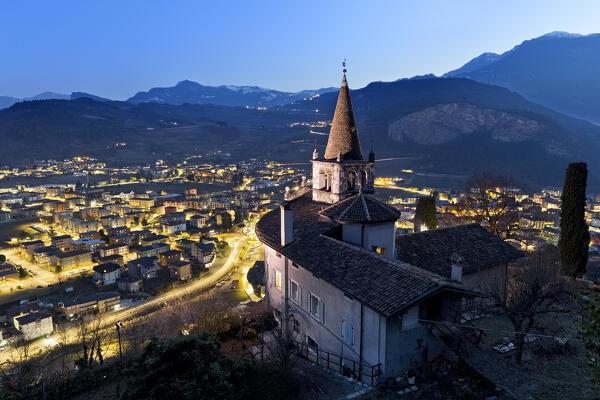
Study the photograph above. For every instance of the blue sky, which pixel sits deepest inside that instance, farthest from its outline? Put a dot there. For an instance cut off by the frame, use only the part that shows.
(116, 48)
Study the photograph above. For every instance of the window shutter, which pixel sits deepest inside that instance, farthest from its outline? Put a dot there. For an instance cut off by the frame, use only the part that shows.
(289, 288)
(273, 277)
(322, 311)
(300, 296)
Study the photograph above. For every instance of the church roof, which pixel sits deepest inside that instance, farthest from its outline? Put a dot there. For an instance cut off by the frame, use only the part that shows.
(387, 286)
(343, 135)
(431, 250)
(361, 208)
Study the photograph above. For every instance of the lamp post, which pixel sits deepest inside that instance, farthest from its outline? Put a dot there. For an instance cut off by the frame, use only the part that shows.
(119, 324)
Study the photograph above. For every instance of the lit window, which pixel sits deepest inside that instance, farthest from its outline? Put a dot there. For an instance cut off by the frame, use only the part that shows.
(379, 250)
(277, 279)
(347, 333)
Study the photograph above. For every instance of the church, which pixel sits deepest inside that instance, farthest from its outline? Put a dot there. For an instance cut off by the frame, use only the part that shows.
(332, 272)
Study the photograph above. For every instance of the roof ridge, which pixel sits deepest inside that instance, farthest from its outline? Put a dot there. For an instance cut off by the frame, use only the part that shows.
(384, 204)
(364, 204)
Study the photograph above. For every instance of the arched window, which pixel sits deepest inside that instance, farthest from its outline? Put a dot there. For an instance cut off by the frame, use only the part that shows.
(351, 180)
(363, 179)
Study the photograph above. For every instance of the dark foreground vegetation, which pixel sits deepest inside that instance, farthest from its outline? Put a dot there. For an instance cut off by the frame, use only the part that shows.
(182, 368)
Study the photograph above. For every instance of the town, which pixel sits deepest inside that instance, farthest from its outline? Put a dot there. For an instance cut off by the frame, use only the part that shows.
(208, 200)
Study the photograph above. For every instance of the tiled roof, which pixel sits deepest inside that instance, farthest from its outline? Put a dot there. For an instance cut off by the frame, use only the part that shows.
(385, 285)
(106, 268)
(343, 135)
(361, 208)
(431, 250)
(33, 317)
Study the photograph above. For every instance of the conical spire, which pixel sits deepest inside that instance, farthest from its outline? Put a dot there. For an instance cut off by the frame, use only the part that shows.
(343, 136)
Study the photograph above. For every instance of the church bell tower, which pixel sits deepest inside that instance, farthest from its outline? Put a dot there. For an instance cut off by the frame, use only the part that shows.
(342, 171)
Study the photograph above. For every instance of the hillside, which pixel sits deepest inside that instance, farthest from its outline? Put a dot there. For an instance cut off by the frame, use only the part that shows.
(558, 70)
(436, 120)
(450, 126)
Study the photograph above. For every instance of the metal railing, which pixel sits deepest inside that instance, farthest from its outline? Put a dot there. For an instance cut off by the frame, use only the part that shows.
(346, 366)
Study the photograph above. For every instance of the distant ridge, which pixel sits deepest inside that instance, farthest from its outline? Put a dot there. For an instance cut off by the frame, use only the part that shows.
(78, 95)
(227, 95)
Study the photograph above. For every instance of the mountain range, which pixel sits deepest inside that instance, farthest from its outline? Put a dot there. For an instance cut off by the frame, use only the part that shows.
(195, 93)
(192, 93)
(510, 112)
(428, 120)
(559, 70)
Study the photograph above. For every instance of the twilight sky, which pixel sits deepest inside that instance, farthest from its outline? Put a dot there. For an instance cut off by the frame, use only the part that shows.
(114, 48)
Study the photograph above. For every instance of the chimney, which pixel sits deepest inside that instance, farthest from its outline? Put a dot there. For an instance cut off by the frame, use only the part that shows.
(457, 267)
(287, 224)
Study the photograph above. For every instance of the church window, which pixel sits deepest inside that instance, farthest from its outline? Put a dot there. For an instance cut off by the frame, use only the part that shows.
(351, 180)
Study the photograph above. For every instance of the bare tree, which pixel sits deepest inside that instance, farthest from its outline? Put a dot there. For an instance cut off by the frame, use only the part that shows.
(489, 199)
(533, 295)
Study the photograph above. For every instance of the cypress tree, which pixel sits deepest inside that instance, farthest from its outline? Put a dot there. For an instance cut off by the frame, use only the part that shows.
(574, 234)
(425, 213)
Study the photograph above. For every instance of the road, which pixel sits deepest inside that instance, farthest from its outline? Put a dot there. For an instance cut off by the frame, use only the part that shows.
(123, 315)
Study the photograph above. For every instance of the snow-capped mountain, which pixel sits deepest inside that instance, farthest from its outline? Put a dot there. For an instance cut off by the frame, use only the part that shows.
(226, 95)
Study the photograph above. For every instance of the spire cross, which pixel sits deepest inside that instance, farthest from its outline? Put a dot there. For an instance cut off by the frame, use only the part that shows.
(344, 65)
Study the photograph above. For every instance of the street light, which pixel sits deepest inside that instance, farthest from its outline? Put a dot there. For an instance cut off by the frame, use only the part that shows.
(119, 324)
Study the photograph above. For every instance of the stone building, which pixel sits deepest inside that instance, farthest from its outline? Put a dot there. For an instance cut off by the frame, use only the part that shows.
(331, 268)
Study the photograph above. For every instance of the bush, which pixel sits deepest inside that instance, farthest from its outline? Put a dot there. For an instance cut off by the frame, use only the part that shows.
(194, 367)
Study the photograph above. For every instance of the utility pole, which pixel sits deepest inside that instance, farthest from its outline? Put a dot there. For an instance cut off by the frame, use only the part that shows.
(118, 325)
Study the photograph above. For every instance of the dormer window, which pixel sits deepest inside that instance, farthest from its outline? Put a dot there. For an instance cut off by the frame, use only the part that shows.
(379, 250)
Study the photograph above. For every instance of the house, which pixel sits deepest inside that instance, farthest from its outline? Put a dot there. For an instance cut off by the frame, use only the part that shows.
(8, 272)
(171, 227)
(34, 324)
(120, 249)
(129, 284)
(152, 250)
(124, 238)
(143, 267)
(30, 247)
(117, 231)
(72, 259)
(148, 240)
(199, 220)
(169, 256)
(106, 274)
(42, 255)
(331, 271)
(100, 302)
(484, 256)
(181, 270)
(88, 244)
(140, 202)
(113, 221)
(115, 258)
(203, 252)
(63, 242)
